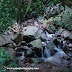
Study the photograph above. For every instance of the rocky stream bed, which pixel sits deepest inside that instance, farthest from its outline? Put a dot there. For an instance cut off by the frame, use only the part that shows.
(36, 47)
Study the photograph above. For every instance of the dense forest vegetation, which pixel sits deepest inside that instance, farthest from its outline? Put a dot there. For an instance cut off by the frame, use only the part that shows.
(15, 9)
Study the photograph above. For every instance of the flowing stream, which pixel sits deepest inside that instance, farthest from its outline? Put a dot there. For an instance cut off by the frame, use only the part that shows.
(46, 54)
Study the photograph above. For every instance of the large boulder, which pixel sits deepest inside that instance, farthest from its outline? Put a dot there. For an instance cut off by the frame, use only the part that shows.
(65, 33)
(57, 58)
(31, 31)
(37, 47)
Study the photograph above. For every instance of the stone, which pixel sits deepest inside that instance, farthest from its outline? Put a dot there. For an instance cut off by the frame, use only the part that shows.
(43, 37)
(64, 33)
(70, 45)
(37, 60)
(38, 34)
(31, 31)
(5, 39)
(57, 58)
(11, 45)
(67, 34)
(36, 43)
(51, 67)
(38, 52)
(70, 35)
(29, 51)
(11, 52)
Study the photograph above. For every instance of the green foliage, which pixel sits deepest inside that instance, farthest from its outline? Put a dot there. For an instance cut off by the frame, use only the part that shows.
(51, 28)
(15, 10)
(5, 60)
(66, 20)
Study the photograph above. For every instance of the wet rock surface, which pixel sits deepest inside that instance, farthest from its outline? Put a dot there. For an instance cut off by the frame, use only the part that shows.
(34, 49)
(5, 39)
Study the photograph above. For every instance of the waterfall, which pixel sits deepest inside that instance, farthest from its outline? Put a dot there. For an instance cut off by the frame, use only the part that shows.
(42, 53)
(47, 52)
(57, 49)
(49, 36)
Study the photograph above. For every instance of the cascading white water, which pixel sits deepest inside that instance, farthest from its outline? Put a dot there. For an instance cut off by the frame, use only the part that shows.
(47, 52)
(49, 36)
(42, 53)
(57, 49)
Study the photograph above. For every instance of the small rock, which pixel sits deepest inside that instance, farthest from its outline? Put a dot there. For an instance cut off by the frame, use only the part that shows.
(38, 52)
(29, 53)
(11, 45)
(70, 45)
(37, 60)
(43, 37)
(36, 43)
(67, 34)
(28, 38)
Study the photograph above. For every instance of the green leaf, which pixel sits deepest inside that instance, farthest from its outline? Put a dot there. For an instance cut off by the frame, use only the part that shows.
(30, 9)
